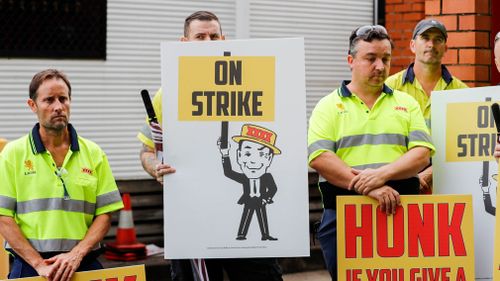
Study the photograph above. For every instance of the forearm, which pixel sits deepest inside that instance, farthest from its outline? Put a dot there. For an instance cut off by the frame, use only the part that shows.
(408, 165)
(149, 161)
(10, 230)
(100, 226)
(333, 169)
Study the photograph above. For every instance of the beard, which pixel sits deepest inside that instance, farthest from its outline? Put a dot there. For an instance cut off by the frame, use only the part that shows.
(56, 126)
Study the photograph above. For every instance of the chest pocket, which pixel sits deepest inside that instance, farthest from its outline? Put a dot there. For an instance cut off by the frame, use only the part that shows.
(399, 121)
(87, 188)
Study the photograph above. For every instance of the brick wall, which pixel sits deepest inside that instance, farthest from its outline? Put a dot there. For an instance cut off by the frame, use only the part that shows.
(468, 23)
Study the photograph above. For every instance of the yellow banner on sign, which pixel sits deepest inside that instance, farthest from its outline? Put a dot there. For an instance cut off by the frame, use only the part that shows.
(429, 238)
(127, 273)
(226, 88)
(470, 132)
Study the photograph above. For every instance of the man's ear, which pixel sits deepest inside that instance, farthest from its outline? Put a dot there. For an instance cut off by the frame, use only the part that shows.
(32, 104)
(184, 39)
(350, 59)
(412, 45)
(223, 37)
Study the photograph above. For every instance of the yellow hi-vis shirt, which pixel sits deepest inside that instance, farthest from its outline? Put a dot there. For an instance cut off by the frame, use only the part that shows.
(144, 134)
(365, 138)
(55, 206)
(405, 81)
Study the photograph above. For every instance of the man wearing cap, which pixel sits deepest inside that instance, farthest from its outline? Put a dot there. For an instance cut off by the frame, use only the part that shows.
(366, 138)
(426, 74)
(254, 155)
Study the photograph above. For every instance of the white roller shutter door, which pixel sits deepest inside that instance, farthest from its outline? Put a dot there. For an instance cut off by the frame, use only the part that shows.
(106, 104)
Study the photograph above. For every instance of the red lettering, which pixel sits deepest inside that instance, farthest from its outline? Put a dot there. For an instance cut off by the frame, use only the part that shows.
(384, 274)
(413, 272)
(433, 274)
(353, 275)
(421, 230)
(372, 276)
(451, 230)
(263, 135)
(460, 274)
(267, 136)
(397, 249)
(112, 279)
(352, 231)
(252, 131)
(444, 274)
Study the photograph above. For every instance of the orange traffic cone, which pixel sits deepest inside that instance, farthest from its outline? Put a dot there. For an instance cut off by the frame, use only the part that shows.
(126, 246)
(125, 235)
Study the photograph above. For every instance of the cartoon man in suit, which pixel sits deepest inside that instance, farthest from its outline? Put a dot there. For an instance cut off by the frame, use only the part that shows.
(254, 155)
(488, 205)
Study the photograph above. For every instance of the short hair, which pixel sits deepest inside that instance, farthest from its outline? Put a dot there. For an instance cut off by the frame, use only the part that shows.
(44, 75)
(370, 33)
(202, 16)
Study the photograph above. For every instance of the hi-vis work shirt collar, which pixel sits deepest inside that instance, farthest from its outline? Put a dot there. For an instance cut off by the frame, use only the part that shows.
(409, 75)
(344, 91)
(37, 144)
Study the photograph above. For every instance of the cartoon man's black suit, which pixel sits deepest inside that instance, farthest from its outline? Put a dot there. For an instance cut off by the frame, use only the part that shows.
(254, 155)
(254, 199)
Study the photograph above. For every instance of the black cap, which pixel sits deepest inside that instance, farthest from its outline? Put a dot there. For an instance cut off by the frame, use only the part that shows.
(425, 25)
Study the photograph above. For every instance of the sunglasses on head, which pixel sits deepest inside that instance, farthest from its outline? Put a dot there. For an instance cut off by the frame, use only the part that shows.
(369, 28)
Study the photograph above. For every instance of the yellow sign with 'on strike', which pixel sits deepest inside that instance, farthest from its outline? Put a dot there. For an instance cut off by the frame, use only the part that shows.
(226, 88)
(470, 132)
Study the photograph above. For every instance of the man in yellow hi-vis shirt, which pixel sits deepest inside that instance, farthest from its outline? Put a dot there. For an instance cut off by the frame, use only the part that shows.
(202, 26)
(365, 138)
(57, 191)
(426, 74)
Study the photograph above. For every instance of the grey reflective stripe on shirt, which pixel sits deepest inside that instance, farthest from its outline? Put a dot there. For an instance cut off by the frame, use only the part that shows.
(369, 166)
(53, 245)
(320, 145)
(108, 198)
(420, 136)
(146, 131)
(7, 203)
(358, 140)
(52, 204)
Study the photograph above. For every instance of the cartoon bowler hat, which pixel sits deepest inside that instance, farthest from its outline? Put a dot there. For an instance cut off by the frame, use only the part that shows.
(250, 132)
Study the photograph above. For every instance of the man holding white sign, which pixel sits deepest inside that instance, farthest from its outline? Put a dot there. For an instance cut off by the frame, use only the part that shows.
(365, 138)
(203, 26)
